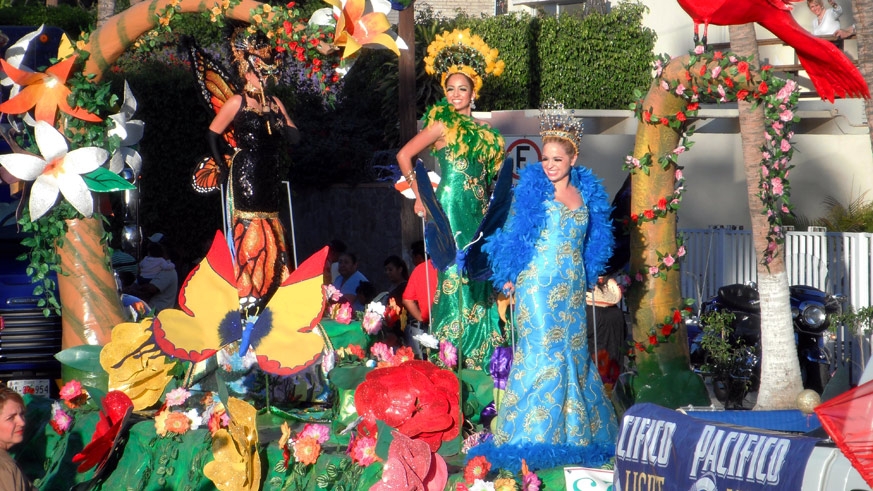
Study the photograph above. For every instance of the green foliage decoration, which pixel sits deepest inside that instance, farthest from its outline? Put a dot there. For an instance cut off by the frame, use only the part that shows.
(598, 61)
(73, 20)
(514, 36)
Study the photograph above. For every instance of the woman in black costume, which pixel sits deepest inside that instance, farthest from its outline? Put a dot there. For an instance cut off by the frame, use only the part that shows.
(259, 123)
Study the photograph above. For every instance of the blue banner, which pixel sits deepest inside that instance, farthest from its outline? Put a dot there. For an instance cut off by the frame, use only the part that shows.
(659, 449)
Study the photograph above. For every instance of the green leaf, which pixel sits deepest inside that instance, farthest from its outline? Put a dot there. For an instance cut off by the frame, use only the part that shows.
(103, 180)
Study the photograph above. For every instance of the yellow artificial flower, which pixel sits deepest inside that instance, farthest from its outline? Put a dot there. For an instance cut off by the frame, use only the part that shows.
(135, 364)
(237, 464)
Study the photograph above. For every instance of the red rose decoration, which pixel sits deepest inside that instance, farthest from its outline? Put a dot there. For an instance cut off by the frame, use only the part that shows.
(649, 214)
(653, 340)
(693, 106)
(729, 82)
(634, 217)
(665, 121)
(117, 408)
(662, 204)
(743, 67)
(417, 398)
(677, 316)
(666, 329)
(681, 116)
(742, 94)
(762, 87)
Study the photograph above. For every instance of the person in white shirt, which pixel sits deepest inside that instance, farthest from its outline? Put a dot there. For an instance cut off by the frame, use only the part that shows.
(827, 21)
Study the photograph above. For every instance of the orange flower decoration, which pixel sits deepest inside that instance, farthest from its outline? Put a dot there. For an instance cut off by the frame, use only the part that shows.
(355, 28)
(178, 423)
(47, 92)
(306, 450)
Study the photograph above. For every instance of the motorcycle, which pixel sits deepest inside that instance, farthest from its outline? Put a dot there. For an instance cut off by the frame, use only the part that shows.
(730, 355)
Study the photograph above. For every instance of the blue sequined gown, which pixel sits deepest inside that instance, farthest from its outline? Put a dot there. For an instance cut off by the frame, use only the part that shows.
(554, 411)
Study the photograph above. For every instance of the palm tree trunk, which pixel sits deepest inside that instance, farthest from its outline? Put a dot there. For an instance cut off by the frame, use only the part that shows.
(105, 10)
(864, 31)
(108, 42)
(780, 369)
(89, 296)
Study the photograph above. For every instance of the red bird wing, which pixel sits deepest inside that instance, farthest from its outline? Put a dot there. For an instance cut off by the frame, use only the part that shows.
(783, 4)
(831, 71)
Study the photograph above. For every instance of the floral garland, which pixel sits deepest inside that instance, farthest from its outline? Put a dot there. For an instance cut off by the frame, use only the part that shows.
(779, 98)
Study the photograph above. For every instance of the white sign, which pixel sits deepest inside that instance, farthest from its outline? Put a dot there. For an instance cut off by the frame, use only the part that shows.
(587, 479)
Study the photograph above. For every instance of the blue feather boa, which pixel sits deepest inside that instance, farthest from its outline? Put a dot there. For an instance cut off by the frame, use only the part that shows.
(512, 248)
(541, 456)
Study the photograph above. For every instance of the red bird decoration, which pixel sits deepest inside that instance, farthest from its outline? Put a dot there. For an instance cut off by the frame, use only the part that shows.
(831, 72)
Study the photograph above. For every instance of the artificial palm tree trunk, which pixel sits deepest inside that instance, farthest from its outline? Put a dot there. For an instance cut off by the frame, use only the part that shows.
(89, 295)
(780, 368)
(664, 376)
(864, 31)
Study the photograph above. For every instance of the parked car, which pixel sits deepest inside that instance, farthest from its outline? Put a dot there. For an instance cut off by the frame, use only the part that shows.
(28, 338)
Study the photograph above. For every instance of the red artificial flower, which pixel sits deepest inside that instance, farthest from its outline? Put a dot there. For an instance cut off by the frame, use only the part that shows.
(666, 329)
(687, 75)
(743, 67)
(117, 407)
(681, 116)
(762, 87)
(356, 350)
(729, 82)
(718, 55)
(634, 217)
(662, 204)
(653, 340)
(693, 106)
(477, 468)
(665, 121)
(417, 398)
(402, 355)
(742, 94)
(677, 316)
(639, 346)
(647, 116)
(766, 67)
(649, 214)
(703, 70)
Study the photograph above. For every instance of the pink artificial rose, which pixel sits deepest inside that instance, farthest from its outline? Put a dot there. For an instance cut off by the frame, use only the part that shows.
(344, 314)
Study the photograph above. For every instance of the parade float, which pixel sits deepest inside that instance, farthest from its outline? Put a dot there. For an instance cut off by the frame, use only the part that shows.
(320, 402)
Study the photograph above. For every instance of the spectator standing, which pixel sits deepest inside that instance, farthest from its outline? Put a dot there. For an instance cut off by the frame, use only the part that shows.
(11, 433)
(349, 279)
(417, 299)
(826, 21)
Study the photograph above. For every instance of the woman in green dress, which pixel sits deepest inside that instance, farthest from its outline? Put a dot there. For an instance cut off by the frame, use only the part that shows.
(469, 153)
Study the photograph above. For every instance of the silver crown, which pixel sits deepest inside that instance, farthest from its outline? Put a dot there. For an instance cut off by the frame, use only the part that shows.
(561, 123)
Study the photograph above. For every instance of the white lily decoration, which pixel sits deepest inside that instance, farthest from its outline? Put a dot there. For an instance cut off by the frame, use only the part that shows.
(130, 131)
(57, 171)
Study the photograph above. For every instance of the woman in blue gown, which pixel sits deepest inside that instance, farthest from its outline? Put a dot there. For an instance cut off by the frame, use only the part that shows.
(554, 244)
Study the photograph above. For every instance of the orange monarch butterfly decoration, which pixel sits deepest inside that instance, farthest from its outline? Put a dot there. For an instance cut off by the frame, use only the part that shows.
(215, 89)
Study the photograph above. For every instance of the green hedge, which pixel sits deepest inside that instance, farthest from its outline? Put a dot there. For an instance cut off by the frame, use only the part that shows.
(73, 20)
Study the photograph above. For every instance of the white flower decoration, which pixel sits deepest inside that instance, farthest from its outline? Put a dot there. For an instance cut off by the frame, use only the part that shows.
(58, 171)
(427, 340)
(130, 131)
(376, 308)
(481, 485)
(15, 55)
(196, 419)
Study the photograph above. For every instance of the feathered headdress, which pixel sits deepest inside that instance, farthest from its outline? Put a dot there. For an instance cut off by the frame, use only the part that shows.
(461, 52)
(555, 121)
